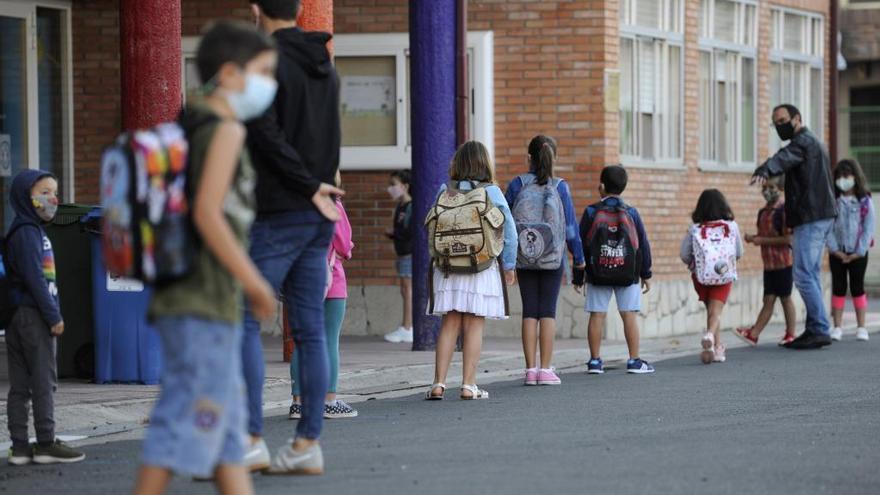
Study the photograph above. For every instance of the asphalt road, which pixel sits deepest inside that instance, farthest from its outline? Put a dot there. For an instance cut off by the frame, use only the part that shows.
(767, 421)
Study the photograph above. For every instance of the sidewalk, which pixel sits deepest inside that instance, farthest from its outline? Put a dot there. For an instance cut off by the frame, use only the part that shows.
(371, 369)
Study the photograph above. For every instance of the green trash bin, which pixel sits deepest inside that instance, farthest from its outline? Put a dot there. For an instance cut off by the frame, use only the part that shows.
(73, 261)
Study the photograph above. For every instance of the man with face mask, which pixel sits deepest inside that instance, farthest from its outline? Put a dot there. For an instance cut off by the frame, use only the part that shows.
(295, 150)
(810, 210)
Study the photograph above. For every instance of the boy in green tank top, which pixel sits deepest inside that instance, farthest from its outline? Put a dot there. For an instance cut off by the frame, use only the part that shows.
(197, 427)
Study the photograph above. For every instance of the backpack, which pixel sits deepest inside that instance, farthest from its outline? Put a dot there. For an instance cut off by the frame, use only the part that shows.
(540, 225)
(464, 230)
(8, 303)
(613, 252)
(864, 208)
(714, 247)
(146, 229)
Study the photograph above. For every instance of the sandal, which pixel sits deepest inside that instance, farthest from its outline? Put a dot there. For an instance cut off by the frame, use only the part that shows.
(429, 395)
(476, 393)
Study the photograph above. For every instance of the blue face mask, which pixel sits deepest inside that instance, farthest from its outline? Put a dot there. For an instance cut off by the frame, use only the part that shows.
(259, 93)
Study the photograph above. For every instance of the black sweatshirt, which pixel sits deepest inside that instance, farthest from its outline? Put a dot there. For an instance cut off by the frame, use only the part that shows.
(295, 144)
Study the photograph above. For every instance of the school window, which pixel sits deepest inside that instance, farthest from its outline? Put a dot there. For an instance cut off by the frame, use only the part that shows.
(796, 66)
(651, 84)
(374, 95)
(727, 75)
(35, 95)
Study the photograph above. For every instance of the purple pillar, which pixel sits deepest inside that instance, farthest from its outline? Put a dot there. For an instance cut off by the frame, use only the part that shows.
(432, 90)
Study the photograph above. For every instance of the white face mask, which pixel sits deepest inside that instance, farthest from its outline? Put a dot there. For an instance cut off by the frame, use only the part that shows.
(845, 183)
(259, 93)
(396, 191)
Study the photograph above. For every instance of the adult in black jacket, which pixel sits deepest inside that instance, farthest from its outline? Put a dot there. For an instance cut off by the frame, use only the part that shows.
(810, 208)
(295, 151)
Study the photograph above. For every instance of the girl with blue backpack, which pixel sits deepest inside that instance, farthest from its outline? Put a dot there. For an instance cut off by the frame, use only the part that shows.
(848, 245)
(545, 222)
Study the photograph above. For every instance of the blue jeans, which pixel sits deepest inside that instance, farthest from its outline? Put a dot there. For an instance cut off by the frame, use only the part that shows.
(290, 250)
(334, 314)
(808, 246)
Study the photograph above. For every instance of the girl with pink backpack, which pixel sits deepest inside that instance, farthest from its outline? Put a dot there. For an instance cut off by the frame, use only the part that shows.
(710, 249)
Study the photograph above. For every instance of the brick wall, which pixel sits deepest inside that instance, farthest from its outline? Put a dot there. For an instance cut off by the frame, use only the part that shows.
(550, 59)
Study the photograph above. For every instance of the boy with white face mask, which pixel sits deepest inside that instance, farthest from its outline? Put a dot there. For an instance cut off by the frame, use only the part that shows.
(401, 234)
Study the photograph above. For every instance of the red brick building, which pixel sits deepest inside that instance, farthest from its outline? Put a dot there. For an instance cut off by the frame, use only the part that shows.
(679, 91)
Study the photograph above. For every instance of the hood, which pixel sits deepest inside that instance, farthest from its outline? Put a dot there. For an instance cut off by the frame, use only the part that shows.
(20, 194)
(307, 48)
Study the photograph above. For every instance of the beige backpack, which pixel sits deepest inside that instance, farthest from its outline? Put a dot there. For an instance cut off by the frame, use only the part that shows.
(464, 230)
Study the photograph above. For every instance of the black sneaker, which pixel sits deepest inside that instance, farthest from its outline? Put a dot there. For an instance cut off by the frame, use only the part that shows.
(57, 452)
(21, 456)
(339, 409)
(809, 340)
(296, 411)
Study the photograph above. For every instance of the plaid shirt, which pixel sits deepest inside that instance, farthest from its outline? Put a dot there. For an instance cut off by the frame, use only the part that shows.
(771, 223)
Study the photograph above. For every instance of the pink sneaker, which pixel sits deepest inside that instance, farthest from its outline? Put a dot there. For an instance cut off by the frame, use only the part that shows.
(707, 355)
(548, 377)
(531, 377)
(720, 356)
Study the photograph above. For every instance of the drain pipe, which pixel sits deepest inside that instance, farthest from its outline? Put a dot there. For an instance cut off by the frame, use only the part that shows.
(832, 82)
(462, 98)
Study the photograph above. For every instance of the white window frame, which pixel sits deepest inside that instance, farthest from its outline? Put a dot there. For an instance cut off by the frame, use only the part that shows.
(708, 43)
(662, 40)
(806, 61)
(481, 73)
(28, 10)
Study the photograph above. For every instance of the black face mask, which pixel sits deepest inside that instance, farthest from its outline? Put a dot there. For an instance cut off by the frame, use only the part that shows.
(785, 131)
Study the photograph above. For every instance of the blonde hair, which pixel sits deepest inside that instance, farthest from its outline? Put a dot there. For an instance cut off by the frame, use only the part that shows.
(472, 162)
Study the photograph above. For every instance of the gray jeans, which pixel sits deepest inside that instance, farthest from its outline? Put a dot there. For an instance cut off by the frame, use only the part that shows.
(33, 376)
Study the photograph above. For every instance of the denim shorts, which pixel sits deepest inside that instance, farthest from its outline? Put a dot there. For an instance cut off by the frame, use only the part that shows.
(198, 423)
(629, 298)
(404, 266)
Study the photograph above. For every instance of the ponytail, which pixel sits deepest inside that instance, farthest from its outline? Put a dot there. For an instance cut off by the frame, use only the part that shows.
(542, 154)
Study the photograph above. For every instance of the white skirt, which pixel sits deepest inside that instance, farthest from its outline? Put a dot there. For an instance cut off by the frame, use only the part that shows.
(480, 294)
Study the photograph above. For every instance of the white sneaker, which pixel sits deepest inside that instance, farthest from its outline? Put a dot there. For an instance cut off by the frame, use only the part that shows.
(257, 457)
(836, 333)
(862, 334)
(400, 335)
(289, 461)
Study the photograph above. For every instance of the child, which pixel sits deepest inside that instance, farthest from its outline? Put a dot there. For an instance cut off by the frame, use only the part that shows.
(712, 216)
(465, 300)
(334, 314)
(198, 424)
(398, 188)
(539, 274)
(775, 241)
(618, 263)
(30, 338)
(848, 244)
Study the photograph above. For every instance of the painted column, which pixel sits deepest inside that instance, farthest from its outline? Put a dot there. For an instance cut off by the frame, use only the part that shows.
(151, 57)
(432, 96)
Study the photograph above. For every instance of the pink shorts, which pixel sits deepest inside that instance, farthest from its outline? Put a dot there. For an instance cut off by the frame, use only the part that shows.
(712, 292)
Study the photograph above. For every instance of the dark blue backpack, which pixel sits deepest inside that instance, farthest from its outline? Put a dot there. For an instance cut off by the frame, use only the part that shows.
(8, 301)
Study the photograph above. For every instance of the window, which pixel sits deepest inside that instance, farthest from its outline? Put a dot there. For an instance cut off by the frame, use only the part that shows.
(651, 82)
(374, 95)
(375, 103)
(727, 75)
(796, 66)
(35, 95)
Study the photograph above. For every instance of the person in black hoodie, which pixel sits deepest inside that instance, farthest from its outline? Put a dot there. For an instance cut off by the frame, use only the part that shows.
(295, 148)
(30, 338)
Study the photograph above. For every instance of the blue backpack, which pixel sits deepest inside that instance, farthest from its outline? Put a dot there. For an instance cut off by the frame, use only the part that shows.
(8, 303)
(540, 224)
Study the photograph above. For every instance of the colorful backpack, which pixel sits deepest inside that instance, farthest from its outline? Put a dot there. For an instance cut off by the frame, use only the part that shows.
(864, 208)
(146, 229)
(714, 245)
(612, 247)
(464, 230)
(540, 224)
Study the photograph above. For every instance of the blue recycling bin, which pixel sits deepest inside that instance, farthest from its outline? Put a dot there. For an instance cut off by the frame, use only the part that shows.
(127, 348)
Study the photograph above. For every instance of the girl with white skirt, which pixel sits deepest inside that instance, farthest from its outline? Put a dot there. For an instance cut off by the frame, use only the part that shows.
(465, 300)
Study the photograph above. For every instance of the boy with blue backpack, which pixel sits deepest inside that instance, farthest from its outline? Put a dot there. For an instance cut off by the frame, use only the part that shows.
(33, 320)
(618, 258)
